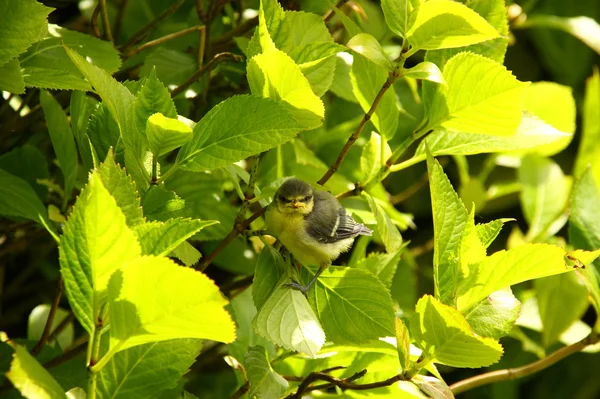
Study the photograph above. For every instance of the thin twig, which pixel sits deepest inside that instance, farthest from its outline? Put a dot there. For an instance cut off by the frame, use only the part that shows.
(241, 29)
(119, 19)
(50, 320)
(68, 355)
(105, 20)
(200, 11)
(519, 372)
(61, 326)
(139, 35)
(331, 12)
(352, 139)
(163, 39)
(241, 391)
(94, 22)
(345, 383)
(249, 193)
(244, 282)
(209, 66)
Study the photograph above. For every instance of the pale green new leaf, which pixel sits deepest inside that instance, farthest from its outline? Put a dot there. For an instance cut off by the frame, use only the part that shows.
(273, 74)
(152, 97)
(146, 370)
(36, 324)
(47, 65)
(186, 253)
(21, 24)
(438, 24)
(544, 193)
(140, 314)
(237, 128)
(449, 222)
(366, 82)
(80, 109)
(583, 28)
(269, 269)
(447, 338)
(425, 71)
(561, 300)
(495, 316)
(287, 320)
(506, 268)
(264, 382)
(95, 242)
(386, 229)
(487, 232)
(396, 13)
(353, 305)
(120, 186)
(30, 378)
(434, 387)
(103, 133)
(402, 343)
(367, 46)
(161, 238)
(17, 198)
(383, 266)
(62, 139)
(589, 149)
(11, 78)
(370, 160)
(482, 97)
(166, 134)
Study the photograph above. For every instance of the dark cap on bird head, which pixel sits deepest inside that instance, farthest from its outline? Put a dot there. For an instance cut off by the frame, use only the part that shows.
(293, 188)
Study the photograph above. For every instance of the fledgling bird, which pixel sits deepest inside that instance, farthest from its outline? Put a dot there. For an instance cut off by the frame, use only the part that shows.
(312, 225)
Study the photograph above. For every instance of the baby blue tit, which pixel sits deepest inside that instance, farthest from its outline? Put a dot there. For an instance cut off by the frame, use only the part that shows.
(312, 225)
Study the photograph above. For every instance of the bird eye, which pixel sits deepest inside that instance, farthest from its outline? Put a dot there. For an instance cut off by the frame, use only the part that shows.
(307, 198)
(283, 199)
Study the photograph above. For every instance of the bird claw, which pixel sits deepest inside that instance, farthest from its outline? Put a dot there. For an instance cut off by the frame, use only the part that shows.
(295, 285)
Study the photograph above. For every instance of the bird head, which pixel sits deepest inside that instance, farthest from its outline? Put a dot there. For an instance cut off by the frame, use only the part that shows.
(295, 197)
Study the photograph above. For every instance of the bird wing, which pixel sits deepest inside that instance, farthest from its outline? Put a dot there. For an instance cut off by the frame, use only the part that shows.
(329, 222)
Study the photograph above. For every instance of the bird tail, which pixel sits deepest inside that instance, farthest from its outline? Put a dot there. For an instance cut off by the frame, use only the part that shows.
(365, 231)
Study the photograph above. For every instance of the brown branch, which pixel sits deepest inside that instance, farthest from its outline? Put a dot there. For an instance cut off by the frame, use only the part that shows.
(68, 355)
(119, 19)
(94, 22)
(330, 13)
(50, 320)
(206, 68)
(105, 20)
(236, 284)
(200, 11)
(345, 383)
(164, 39)
(141, 34)
(352, 139)
(241, 29)
(237, 229)
(241, 391)
(519, 372)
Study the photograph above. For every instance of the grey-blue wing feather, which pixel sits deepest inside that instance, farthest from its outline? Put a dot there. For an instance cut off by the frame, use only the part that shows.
(329, 222)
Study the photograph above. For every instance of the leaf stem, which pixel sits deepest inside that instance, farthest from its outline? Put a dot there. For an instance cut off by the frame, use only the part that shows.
(249, 193)
(163, 39)
(167, 174)
(519, 372)
(94, 22)
(218, 58)
(331, 12)
(94, 352)
(154, 176)
(105, 21)
(50, 320)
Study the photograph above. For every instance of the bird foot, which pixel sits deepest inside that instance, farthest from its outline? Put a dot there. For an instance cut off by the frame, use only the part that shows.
(295, 285)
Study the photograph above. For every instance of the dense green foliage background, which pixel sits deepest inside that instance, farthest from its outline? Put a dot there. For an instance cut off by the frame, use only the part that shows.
(482, 189)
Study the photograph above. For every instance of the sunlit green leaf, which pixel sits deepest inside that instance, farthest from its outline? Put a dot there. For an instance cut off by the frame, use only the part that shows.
(166, 134)
(264, 382)
(367, 46)
(396, 14)
(495, 316)
(386, 229)
(11, 78)
(589, 147)
(152, 97)
(425, 71)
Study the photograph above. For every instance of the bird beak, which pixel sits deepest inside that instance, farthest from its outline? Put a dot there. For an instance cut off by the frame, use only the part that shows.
(296, 204)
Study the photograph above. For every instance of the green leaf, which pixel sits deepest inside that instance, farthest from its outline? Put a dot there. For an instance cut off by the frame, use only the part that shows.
(438, 24)
(160, 239)
(21, 24)
(103, 132)
(47, 65)
(95, 242)
(353, 306)
(447, 338)
(371, 159)
(506, 268)
(264, 381)
(544, 194)
(11, 78)
(147, 370)
(366, 83)
(425, 71)
(270, 267)
(589, 150)
(226, 135)
(30, 378)
(166, 134)
(80, 109)
(495, 316)
(397, 13)
(139, 314)
(561, 300)
(367, 46)
(37, 322)
(435, 388)
(119, 101)
(62, 139)
(482, 97)
(583, 28)
(120, 186)
(531, 134)
(402, 343)
(382, 266)
(287, 320)
(487, 232)
(17, 198)
(449, 222)
(273, 74)
(186, 253)
(386, 229)
(152, 97)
